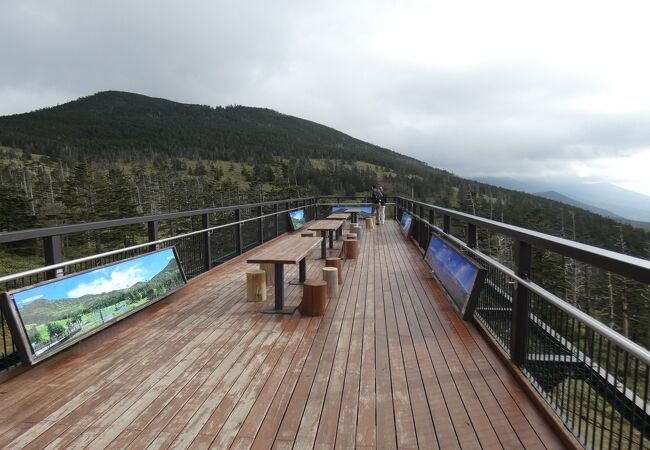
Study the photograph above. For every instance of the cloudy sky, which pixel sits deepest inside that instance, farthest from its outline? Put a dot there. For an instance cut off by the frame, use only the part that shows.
(499, 88)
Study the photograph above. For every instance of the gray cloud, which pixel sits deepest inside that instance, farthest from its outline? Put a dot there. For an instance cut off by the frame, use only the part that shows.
(319, 61)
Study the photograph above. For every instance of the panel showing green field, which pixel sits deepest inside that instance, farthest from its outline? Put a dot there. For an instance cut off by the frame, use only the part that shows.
(65, 309)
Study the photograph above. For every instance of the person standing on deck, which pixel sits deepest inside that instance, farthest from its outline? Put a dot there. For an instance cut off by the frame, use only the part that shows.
(381, 219)
(375, 196)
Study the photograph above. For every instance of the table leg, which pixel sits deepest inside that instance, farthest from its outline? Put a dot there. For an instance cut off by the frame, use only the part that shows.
(279, 293)
(302, 270)
(279, 287)
(323, 248)
(331, 233)
(302, 273)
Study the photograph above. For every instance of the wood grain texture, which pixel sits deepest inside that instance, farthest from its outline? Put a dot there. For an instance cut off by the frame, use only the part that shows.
(390, 364)
(338, 216)
(288, 251)
(326, 225)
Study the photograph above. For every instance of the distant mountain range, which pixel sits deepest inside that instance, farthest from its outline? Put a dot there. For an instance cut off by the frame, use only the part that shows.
(601, 198)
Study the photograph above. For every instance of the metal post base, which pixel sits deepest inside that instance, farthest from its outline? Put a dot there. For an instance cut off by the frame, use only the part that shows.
(286, 311)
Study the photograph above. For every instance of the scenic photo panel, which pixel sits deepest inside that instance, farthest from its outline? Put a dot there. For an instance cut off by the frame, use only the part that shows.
(55, 314)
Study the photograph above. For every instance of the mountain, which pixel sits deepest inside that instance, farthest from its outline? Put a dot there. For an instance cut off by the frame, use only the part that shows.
(620, 202)
(113, 124)
(552, 195)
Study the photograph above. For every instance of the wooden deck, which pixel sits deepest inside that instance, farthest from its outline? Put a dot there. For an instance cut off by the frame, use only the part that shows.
(389, 365)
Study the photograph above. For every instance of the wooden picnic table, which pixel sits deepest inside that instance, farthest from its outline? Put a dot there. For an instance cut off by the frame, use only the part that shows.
(326, 226)
(338, 216)
(354, 212)
(294, 251)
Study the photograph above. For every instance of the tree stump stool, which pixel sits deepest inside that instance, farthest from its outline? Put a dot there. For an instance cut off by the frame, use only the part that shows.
(370, 223)
(330, 276)
(255, 285)
(338, 263)
(307, 234)
(270, 273)
(351, 235)
(314, 298)
(355, 228)
(351, 249)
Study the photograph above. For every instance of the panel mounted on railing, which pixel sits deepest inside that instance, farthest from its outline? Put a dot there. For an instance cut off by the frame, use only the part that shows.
(406, 223)
(51, 316)
(297, 219)
(461, 277)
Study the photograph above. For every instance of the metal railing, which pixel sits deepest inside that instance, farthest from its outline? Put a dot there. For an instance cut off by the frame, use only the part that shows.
(595, 379)
(219, 235)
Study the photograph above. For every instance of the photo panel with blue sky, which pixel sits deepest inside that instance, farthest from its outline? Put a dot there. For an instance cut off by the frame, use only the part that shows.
(297, 219)
(455, 272)
(63, 310)
(406, 222)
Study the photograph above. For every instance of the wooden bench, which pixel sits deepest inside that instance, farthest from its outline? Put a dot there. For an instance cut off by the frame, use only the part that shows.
(292, 251)
(325, 227)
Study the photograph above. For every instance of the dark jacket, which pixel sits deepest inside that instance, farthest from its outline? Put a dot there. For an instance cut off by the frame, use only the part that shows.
(382, 199)
(375, 196)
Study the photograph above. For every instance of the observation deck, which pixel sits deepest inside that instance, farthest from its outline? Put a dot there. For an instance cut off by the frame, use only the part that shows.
(390, 365)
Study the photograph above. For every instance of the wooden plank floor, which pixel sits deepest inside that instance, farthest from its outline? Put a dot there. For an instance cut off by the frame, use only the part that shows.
(390, 365)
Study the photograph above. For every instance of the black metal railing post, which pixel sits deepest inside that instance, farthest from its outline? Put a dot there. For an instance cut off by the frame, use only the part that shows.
(207, 252)
(520, 305)
(260, 213)
(152, 230)
(238, 233)
(277, 219)
(53, 253)
(446, 223)
(421, 229)
(471, 235)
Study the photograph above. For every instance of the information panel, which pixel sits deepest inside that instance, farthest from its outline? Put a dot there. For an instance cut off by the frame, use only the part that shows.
(461, 278)
(297, 219)
(406, 222)
(55, 314)
(366, 211)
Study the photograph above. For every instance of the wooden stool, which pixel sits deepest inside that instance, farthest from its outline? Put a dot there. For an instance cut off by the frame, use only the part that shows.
(255, 285)
(356, 228)
(351, 249)
(370, 223)
(330, 276)
(314, 298)
(338, 263)
(307, 234)
(270, 273)
(351, 235)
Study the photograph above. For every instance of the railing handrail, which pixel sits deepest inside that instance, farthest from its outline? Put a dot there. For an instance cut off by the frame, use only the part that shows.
(14, 236)
(625, 265)
(6, 278)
